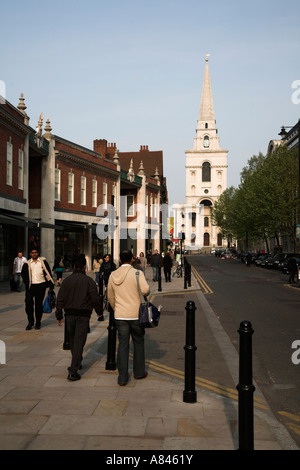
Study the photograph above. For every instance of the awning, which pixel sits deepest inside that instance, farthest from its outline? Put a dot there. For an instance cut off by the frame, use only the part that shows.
(21, 220)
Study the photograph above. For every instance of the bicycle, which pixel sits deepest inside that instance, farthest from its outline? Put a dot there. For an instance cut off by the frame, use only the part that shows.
(178, 271)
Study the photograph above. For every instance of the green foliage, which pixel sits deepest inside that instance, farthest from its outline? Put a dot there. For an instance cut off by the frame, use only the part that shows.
(267, 199)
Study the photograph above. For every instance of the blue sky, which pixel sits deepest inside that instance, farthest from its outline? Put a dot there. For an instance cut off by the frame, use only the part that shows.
(131, 72)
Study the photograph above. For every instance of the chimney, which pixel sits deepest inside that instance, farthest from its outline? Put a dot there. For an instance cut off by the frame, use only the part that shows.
(144, 148)
(100, 146)
(111, 148)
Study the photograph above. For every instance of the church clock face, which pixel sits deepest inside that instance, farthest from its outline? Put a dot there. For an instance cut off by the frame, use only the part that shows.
(206, 141)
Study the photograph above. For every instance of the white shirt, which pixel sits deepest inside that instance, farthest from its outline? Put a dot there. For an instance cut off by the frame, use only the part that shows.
(37, 275)
(18, 262)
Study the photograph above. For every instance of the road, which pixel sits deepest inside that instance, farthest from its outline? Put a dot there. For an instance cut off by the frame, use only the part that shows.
(236, 292)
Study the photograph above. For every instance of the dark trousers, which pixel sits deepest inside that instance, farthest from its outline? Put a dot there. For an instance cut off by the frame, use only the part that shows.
(125, 329)
(78, 327)
(292, 275)
(34, 299)
(167, 274)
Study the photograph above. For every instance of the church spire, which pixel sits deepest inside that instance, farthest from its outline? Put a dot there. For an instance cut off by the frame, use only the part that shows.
(206, 114)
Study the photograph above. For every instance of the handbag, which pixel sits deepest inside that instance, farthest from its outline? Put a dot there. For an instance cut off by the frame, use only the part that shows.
(49, 302)
(149, 315)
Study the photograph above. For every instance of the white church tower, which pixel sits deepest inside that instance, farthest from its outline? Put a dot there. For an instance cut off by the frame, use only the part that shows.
(206, 177)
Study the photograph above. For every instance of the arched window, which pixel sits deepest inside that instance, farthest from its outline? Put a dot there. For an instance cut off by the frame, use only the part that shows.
(206, 171)
(206, 239)
(206, 221)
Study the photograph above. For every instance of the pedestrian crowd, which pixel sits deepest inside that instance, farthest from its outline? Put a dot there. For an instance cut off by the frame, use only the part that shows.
(78, 296)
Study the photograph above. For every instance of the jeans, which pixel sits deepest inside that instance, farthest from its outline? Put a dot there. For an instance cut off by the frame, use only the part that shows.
(18, 280)
(155, 273)
(77, 327)
(125, 329)
(36, 294)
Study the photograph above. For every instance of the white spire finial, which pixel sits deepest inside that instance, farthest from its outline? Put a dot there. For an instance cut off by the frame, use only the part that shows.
(207, 56)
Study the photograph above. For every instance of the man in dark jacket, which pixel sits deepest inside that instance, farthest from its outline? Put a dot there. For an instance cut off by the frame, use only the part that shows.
(292, 268)
(36, 276)
(107, 267)
(78, 296)
(168, 263)
(156, 263)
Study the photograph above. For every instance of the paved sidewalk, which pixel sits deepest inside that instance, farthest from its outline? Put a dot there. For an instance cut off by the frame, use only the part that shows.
(41, 410)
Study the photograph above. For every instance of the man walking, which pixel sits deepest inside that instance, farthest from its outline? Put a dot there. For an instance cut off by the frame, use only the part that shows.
(124, 298)
(17, 269)
(36, 276)
(292, 268)
(78, 296)
(156, 263)
(168, 263)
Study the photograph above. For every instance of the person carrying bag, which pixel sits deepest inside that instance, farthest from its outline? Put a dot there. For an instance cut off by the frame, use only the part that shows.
(149, 315)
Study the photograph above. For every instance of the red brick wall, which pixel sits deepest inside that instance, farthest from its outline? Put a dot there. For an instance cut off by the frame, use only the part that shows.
(17, 142)
(90, 174)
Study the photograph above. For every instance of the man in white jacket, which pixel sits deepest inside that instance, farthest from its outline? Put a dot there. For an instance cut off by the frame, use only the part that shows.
(124, 298)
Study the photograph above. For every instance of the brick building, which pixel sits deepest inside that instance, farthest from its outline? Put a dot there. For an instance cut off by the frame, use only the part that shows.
(65, 198)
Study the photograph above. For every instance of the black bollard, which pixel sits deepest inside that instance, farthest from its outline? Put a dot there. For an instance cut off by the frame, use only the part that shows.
(111, 343)
(101, 295)
(190, 394)
(159, 279)
(66, 344)
(189, 280)
(246, 388)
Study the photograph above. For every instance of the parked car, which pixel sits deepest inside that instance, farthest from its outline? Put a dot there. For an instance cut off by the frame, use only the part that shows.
(283, 262)
(261, 258)
(273, 261)
(245, 254)
(265, 260)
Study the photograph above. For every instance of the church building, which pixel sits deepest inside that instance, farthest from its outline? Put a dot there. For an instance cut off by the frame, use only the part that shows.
(206, 179)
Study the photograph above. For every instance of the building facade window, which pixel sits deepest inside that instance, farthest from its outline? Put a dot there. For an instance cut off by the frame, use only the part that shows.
(9, 164)
(206, 171)
(147, 204)
(113, 194)
(71, 188)
(21, 170)
(206, 239)
(83, 191)
(94, 193)
(193, 219)
(104, 195)
(206, 221)
(57, 184)
(130, 205)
